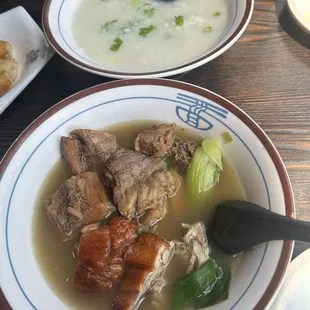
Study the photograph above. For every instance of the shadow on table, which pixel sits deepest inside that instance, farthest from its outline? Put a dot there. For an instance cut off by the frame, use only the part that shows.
(289, 24)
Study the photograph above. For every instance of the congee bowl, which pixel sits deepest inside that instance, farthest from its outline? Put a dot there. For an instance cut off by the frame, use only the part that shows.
(59, 16)
(32, 156)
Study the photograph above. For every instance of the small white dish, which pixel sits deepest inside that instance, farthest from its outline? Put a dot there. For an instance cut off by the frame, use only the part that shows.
(57, 18)
(295, 291)
(30, 49)
(300, 9)
(29, 160)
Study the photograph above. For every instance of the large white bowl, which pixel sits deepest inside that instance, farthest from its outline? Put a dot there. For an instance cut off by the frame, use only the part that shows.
(57, 23)
(27, 163)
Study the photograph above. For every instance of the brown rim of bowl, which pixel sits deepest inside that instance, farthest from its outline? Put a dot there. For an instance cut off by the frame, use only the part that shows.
(68, 57)
(287, 190)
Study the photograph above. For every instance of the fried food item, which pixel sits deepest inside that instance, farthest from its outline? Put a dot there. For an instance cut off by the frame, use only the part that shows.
(5, 83)
(6, 50)
(8, 68)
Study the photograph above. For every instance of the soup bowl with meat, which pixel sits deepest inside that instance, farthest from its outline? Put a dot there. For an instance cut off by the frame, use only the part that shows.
(142, 38)
(107, 200)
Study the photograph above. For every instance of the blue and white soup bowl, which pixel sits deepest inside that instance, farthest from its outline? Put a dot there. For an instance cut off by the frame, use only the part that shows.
(30, 159)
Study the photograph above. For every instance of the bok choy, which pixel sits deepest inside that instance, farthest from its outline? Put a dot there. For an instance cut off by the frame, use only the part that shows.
(205, 167)
(206, 286)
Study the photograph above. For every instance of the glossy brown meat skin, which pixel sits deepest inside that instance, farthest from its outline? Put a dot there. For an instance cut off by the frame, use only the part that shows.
(123, 234)
(141, 260)
(144, 252)
(101, 255)
(92, 274)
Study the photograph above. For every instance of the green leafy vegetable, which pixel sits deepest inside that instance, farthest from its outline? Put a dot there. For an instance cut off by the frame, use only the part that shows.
(107, 26)
(201, 281)
(116, 45)
(201, 173)
(150, 12)
(216, 14)
(207, 29)
(179, 20)
(227, 138)
(205, 168)
(219, 293)
(146, 31)
(212, 148)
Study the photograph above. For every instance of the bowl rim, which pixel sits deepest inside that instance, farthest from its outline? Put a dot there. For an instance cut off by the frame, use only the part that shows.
(287, 247)
(297, 16)
(160, 73)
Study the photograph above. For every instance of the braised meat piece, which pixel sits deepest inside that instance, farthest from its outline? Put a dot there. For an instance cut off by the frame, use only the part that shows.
(195, 247)
(147, 195)
(128, 168)
(72, 152)
(79, 201)
(182, 151)
(152, 216)
(87, 148)
(159, 140)
(156, 141)
(138, 182)
(96, 143)
(101, 255)
(146, 261)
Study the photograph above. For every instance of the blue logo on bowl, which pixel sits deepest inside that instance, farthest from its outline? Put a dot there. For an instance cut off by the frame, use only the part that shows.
(196, 112)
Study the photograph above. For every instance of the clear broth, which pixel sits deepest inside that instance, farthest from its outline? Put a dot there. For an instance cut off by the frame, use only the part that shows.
(57, 260)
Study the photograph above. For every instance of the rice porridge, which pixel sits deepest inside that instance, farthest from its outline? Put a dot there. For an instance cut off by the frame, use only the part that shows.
(138, 35)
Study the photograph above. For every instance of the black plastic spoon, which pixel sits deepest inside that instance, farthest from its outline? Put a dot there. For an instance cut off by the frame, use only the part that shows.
(239, 225)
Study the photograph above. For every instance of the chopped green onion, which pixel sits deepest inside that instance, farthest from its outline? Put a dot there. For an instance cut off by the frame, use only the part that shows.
(146, 31)
(150, 12)
(116, 45)
(207, 29)
(107, 26)
(179, 20)
(212, 148)
(135, 2)
(227, 138)
(216, 14)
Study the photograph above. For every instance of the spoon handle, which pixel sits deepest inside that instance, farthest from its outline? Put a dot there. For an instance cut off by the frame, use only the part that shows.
(267, 225)
(239, 225)
(285, 228)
